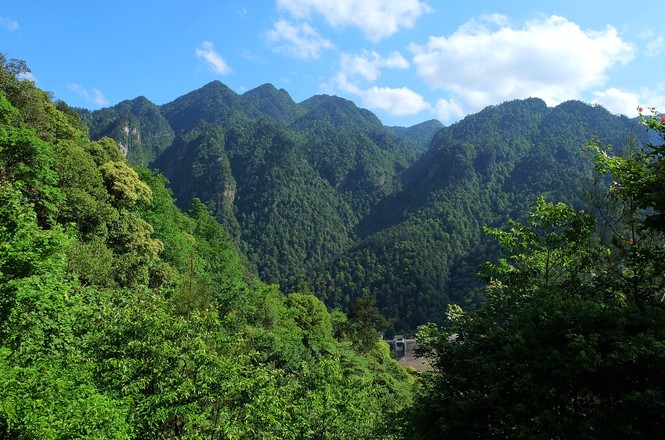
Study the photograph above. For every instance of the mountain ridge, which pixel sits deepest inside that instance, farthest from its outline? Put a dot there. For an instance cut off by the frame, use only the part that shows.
(400, 209)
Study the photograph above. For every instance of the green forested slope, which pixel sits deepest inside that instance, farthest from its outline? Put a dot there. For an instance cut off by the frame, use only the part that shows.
(321, 194)
(137, 126)
(420, 134)
(123, 317)
(422, 247)
(568, 341)
(288, 181)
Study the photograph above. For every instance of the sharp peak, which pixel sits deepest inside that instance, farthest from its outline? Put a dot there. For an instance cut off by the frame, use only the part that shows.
(216, 84)
(265, 86)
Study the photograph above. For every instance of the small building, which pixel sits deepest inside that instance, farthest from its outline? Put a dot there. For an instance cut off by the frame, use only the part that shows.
(403, 351)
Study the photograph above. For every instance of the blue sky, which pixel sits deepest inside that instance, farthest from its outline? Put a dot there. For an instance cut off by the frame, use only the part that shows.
(406, 60)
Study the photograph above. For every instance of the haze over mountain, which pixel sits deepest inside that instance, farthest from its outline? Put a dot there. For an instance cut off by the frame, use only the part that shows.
(321, 195)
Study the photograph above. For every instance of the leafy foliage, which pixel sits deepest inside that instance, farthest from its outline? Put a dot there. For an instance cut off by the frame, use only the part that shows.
(420, 134)
(121, 316)
(568, 342)
(321, 195)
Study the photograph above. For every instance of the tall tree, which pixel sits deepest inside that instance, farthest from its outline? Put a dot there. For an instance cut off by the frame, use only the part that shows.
(569, 341)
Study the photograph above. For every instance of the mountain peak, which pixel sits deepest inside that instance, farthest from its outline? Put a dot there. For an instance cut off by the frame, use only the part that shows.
(339, 110)
(267, 87)
(267, 102)
(420, 134)
(213, 103)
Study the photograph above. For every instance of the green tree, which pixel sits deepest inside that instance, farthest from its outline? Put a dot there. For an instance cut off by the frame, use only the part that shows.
(365, 323)
(46, 385)
(123, 317)
(27, 161)
(559, 351)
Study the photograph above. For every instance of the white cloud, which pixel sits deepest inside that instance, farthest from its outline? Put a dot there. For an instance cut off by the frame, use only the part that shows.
(94, 96)
(626, 102)
(655, 47)
(368, 64)
(487, 61)
(297, 40)
(377, 19)
(215, 62)
(396, 101)
(617, 101)
(358, 69)
(353, 65)
(653, 97)
(395, 61)
(447, 110)
(9, 24)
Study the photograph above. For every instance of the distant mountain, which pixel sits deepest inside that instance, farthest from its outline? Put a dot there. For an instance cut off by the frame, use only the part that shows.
(320, 195)
(266, 102)
(289, 181)
(339, 112)
(213, 103)
(420, 134)
(137, 125)
(421, 247)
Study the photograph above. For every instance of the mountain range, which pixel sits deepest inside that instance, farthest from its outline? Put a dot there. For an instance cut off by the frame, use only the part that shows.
(320, 196)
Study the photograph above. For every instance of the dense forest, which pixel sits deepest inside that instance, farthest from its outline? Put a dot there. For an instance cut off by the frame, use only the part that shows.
(570, 341)
(218, 267)
(122, 316)
(321, 196)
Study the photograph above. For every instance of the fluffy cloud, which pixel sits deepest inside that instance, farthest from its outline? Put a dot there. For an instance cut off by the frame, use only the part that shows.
(368, 64)
(377, 19)
(215, 62)
(626, 102)
(396, 101)
(447, 110)
(655, 47)
(487, 61)
(94, 96)
(358, 69)
(297, 40)
(8, 23)
(617, 101)
(652, 97)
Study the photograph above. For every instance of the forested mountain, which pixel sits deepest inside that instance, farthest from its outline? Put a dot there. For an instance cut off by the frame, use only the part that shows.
(321, 194)
(123, 317)
(422, 247)
(289, 181)
(566, 343)
(138, 127)
(420, 134)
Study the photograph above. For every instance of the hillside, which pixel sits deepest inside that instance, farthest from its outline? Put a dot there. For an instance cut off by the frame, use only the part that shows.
(420, 134)
(123, 317)
(421, 248)
(289, 181)
(320, 194)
